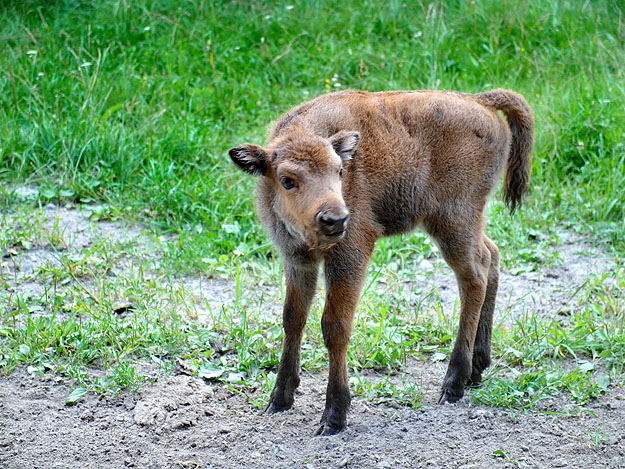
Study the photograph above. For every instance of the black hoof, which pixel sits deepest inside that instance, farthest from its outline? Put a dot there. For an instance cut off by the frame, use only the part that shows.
(333, 421)
(481, 361)
(475, 380)
(451, 393)
(273, 408)
(448, 398)
(328, 430)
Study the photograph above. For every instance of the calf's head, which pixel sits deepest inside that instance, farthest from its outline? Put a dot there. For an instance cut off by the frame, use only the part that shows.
(304, 175)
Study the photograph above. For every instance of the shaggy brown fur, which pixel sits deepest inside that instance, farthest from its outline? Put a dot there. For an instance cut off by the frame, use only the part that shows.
(345, 169)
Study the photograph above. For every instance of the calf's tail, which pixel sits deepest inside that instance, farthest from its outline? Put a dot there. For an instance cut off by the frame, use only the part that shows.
(521, 123)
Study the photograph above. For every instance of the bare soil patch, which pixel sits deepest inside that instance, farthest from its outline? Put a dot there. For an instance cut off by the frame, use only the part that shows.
(183, 421)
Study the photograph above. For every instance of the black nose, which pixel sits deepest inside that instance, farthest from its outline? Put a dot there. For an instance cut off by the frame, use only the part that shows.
(332, 224)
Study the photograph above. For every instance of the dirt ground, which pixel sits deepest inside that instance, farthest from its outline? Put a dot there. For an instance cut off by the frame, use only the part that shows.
(184, 421)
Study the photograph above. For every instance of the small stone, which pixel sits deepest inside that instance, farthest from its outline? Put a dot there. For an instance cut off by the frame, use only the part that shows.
(344, 462)
(87, 416)
(560, 462)
(224, 429)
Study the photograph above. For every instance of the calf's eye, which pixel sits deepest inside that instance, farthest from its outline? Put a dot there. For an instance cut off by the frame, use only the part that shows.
(341, 172)
(287, 183)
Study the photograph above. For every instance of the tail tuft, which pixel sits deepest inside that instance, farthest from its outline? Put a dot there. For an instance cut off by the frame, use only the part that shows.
(521, 123)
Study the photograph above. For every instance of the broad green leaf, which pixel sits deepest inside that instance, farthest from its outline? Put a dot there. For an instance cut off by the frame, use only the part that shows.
(76, 395)
(210, 371)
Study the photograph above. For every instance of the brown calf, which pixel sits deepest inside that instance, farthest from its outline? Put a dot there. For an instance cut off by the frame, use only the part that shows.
(345, 169)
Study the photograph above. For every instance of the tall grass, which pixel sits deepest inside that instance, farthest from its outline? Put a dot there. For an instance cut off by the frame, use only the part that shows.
(135, 103)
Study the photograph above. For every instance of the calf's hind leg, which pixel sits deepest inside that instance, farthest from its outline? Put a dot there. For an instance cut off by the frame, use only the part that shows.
(481, 350)
(462, 247)
(301, 283)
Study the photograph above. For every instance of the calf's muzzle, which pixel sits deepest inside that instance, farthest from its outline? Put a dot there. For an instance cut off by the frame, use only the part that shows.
(333, 222)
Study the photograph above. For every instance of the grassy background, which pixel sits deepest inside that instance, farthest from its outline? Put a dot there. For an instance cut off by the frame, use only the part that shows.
(134, 104)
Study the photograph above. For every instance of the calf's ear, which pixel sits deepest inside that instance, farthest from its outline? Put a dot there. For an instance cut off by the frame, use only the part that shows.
(345, 143)
(249, 158)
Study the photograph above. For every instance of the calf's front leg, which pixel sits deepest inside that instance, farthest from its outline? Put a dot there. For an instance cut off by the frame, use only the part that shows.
(301, 283)
(345, 270)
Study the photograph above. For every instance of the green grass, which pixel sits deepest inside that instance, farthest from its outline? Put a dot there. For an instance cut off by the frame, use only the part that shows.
(133, 105)
(113, 332)
(580, 351)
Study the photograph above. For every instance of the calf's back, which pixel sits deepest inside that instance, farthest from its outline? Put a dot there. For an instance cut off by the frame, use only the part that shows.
(420, 152)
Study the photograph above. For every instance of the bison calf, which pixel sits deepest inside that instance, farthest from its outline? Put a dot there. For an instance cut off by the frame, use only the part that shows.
(347, 168)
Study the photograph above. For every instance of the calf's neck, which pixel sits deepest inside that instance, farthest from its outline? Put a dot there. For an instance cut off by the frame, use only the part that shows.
(344, 169)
